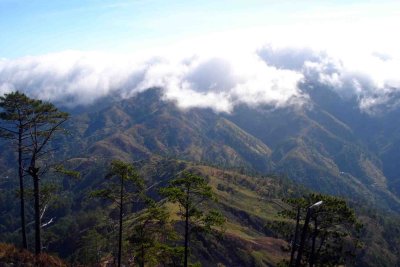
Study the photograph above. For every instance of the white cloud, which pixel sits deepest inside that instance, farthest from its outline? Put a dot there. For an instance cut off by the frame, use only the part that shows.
(373, 79)
(217, 79)
(77, 78)
(369, 75)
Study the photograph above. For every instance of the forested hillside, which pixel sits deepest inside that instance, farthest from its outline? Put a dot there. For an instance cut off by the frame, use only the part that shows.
(199, 133)
(254, 159)
(323, 145)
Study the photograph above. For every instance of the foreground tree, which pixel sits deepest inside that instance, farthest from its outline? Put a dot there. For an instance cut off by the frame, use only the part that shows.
(190, 192)
(44, 124)
(16, 115)
(151, 234)
(330, 234)
(128, 186)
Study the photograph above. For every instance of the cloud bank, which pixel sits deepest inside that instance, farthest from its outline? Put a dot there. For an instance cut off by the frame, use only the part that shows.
(267, 75)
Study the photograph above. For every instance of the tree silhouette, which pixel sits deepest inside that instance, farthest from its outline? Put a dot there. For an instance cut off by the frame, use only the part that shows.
(16, 115)
(117, 192)
(190, 191)
(44, 124)
(151, 233)
(332, 236)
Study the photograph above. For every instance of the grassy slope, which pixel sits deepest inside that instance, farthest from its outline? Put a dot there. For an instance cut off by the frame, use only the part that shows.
(248, 203)
(316, 147)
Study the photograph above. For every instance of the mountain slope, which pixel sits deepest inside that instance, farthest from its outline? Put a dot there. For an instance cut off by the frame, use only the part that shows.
(316, 145)
(146, 125)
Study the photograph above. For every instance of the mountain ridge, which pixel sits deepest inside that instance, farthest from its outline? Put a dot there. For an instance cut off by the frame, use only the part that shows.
(311, 145)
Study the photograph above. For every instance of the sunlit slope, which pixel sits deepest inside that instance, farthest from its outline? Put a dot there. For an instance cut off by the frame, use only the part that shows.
(315, 145)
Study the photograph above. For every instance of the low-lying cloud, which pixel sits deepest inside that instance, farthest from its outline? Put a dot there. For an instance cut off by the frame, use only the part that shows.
(270, 75)
(373, 77)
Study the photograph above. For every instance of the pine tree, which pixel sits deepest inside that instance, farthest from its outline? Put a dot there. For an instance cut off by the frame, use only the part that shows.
(117, 192)
(31, 124)
(331, 238)
(45, 123)
(151, 234)
(16, 113)
(190, 191)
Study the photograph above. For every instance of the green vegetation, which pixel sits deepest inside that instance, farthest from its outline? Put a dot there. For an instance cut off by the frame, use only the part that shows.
(46, 122)
(329, 233)
(33, 124)
(190, 191)
(118, 193)
(187, 160)
(16, 117)
(150, 236)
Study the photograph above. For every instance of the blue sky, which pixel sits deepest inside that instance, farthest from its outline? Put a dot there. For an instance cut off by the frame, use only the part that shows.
(38, 27)
(209, 53)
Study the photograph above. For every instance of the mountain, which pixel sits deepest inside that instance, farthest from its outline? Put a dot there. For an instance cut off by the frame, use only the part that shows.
(146, 125)
(328, 145)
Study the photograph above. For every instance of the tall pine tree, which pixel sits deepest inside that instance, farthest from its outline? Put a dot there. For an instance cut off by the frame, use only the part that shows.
(190, 191)
(17, 113)
(120, 192)
(45, 123)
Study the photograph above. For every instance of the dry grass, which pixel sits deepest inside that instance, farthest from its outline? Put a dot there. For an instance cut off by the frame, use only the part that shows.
(12, 256)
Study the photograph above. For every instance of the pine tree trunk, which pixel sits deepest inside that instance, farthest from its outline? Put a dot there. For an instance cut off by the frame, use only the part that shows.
(303, 238)
(21, 190)
(142, 253)
(294, 243)
(186, 236)
(120, 222)
(312, 258)
(36, 192)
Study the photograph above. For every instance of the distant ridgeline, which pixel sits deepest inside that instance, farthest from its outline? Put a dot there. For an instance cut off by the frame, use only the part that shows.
(330, 146)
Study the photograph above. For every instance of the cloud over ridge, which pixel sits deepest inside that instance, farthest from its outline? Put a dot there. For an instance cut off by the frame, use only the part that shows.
(268, 75)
